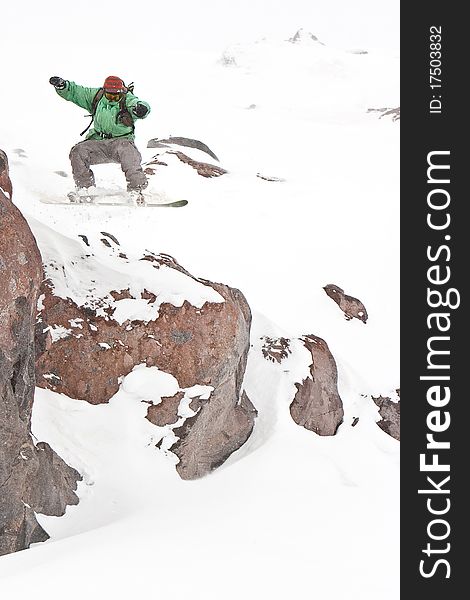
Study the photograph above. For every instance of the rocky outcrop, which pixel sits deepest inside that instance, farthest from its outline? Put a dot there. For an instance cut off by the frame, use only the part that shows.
(85, 349)
(32, 477)
(5, 183)
(275, 349)
(216, 432)
(166, 412)
(389, 410)
(317, 405)
(204, 169)
(351, 307)
(181, 141)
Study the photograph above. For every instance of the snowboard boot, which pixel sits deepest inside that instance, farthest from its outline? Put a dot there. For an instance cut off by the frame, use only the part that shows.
(80, 196)
(136, 197)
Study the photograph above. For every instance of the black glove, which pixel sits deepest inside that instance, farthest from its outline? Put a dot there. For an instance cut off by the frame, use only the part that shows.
(140, 110)
(57, 82)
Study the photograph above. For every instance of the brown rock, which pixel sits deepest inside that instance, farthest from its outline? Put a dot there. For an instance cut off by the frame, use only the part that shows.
(5, 183)
(146, 295)
(317, 405)
(194, 344)
(218, 430)
(390, 413)
(58, 482)
(32, 478)
(165, 413)
(181, 141)
(351, 307)
(204, 169)
(275, 349)
(121, 294)
(204, 346)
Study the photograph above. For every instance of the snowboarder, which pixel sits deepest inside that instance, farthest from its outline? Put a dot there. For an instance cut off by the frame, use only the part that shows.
(114, 110)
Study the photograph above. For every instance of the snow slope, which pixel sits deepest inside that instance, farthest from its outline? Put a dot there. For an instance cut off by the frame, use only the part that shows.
(290, 512)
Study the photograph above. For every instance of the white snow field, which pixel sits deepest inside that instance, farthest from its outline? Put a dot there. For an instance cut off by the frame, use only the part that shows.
(291, 514)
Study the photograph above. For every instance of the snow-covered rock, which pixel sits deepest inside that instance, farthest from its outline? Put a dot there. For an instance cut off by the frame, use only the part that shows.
(203, 168)
(171, 146)
(317, 405)
(115, 311)
(389, 410)
(32, 476)
(5, 183)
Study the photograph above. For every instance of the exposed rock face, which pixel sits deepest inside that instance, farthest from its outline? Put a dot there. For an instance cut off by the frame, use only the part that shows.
(204, 169)
(275, 349)
(181, 141)
(32, 478)
(84, 354)
(165, 413)
(317, 405)
(5, 183)
(390, 413)
(217, 431)
(351, 307)
(191, 343)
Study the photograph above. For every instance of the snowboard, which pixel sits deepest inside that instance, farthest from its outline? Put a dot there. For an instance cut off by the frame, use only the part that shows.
(118, 198)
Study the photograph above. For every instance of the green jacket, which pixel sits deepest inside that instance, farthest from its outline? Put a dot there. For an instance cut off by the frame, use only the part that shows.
(106, 112)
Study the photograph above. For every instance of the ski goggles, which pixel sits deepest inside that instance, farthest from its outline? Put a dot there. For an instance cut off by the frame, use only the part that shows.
(112, 97)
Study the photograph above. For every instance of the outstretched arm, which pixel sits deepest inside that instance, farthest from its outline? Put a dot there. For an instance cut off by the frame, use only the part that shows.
(71, 91)
(138, 108)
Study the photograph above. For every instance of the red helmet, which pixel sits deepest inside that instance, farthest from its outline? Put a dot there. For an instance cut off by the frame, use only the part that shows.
(114, 85)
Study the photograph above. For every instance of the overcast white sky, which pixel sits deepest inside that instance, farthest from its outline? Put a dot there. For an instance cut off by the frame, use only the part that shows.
(203, 24)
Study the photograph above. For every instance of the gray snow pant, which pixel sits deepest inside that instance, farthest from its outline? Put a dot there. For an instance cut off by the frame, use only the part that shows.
(98, 152)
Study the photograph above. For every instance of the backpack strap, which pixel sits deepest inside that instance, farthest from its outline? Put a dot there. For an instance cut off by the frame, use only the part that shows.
(122, 109)
(99, 94)
(124, 117)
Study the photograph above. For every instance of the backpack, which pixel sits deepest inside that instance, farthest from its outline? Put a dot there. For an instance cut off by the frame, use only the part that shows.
(123, 116)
